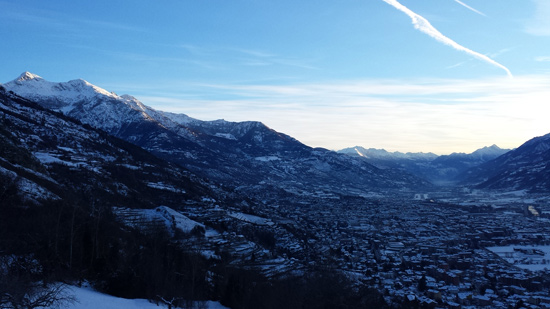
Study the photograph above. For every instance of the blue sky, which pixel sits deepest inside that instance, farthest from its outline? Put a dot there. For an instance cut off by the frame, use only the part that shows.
(407, 75)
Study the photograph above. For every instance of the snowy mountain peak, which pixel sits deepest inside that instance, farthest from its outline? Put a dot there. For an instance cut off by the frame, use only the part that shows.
(28, 76)
(60, 95)
(128, 97)
(492, 147)
(373, 153)
(491, 151)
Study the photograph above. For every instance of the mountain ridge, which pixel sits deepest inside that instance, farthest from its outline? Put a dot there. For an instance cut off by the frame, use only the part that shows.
(228, 152)
(524, 168)
(58, 156)
(438, 169)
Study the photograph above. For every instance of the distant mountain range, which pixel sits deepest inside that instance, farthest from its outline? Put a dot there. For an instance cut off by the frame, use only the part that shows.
(244, 155)
(444, 169)
(250, 157)
(524, 168)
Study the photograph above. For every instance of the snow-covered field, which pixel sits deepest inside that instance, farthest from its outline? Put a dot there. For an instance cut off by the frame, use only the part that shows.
(251, 218)
(533, 258)
(87, 298)
(171, 218)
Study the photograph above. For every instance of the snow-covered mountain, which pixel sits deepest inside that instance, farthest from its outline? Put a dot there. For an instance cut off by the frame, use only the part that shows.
(382, 154)
(64, 190)
(443, 169)
(48, 156)
(92, 105)
(244, 153)
(527, 167)
(449, 167)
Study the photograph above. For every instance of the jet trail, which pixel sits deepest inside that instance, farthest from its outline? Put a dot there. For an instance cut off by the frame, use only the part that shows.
(469, 7)
(424, 25)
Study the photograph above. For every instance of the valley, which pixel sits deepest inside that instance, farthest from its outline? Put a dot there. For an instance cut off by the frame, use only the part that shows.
(100, 188)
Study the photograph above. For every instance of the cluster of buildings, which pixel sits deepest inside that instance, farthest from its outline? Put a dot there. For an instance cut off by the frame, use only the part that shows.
(419, 252)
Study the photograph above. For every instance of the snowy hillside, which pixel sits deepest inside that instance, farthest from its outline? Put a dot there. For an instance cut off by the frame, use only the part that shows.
(46, 155)
(87, 298)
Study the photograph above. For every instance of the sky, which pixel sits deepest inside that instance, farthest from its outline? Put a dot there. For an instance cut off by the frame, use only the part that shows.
(436, 76)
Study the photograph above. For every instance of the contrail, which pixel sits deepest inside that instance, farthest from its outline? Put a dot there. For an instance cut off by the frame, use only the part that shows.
(469, 7)
(424, 25)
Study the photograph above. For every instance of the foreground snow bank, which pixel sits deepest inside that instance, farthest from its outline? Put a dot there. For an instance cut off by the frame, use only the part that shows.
(87, 298)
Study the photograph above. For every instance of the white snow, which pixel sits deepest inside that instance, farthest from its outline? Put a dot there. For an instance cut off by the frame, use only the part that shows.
(28, 76)
(373, 153)
(46, 157)
(163, 186)
(179, 118)
(173, 220)
(250, 218)
(67, 149)
(31, 190)
(87, 298)
(211, 233)
(131, 167)
(33, 86)
(532, 258)
(267, 158)
(100, 108)
(177, 219)
(226, 136)
(95, 106)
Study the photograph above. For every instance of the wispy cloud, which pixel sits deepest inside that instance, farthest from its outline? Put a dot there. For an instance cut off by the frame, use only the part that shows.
(543, 59)
(109, 25)
(539, 24)
(40, 18)
(61, 21)
(255, 53)
(246, 57)
(469, 7)
(438, 115)
(424, 25)
(263, 58)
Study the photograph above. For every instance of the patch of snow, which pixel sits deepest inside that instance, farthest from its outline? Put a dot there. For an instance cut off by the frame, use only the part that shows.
(181, 119)
(267, 158)
(226, 136)
(163, 186)
(28, 76)
(7, 173)
(533, 258)
(34, 191)
(131, 167)
(46, 157)
(211, 233)
(66, 149)
(178, 220)
(251, 218)
(173, 220)
(87, 298)
(373, 153)
(31, 190)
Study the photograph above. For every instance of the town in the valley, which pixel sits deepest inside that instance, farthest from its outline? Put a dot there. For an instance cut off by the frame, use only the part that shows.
(429, 250)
